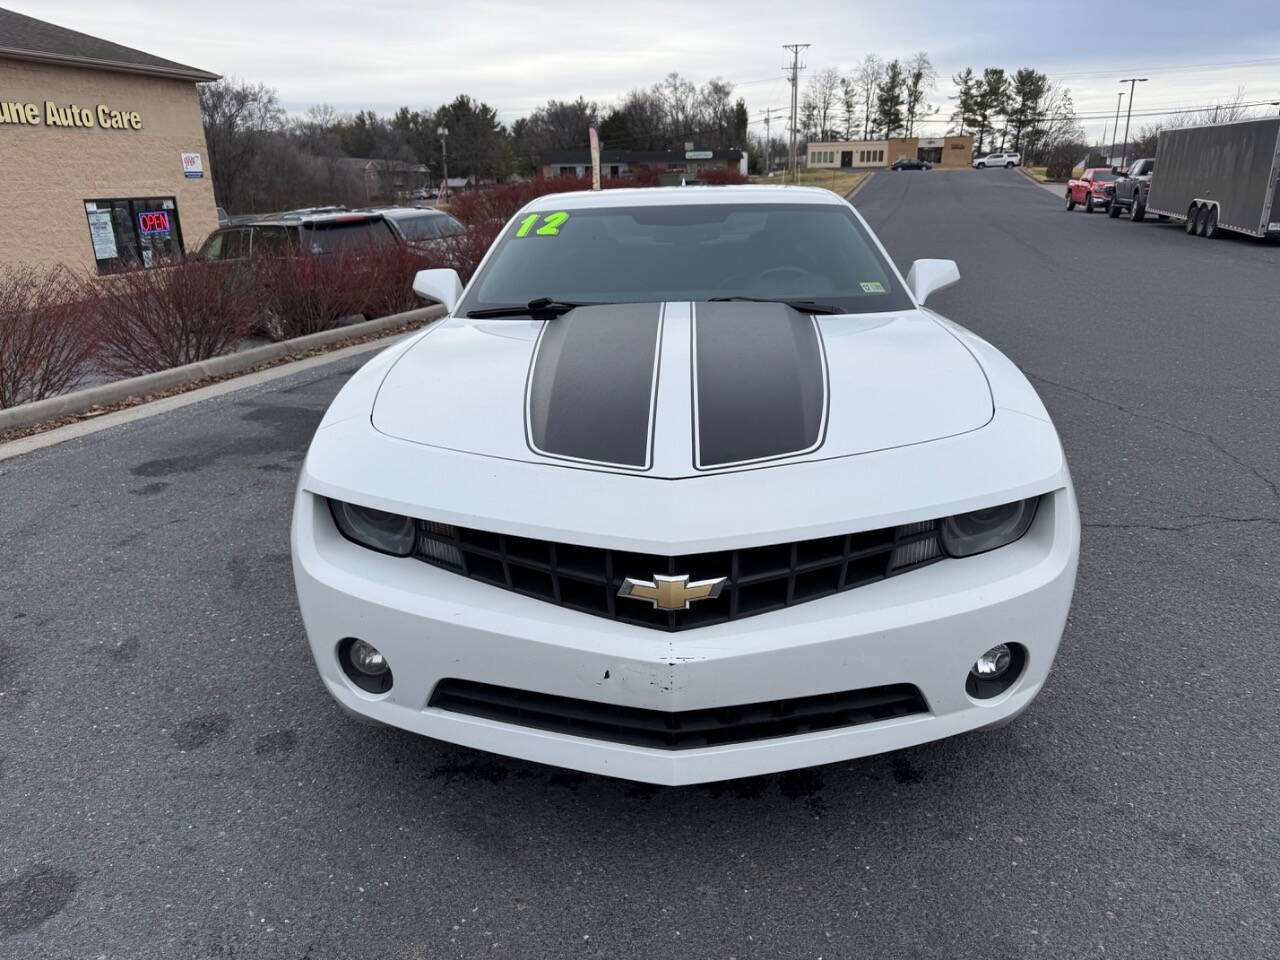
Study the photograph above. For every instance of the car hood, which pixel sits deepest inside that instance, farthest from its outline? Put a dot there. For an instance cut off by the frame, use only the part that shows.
(681, 389)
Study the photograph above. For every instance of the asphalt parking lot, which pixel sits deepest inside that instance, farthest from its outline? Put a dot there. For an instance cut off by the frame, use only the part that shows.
(175, 782)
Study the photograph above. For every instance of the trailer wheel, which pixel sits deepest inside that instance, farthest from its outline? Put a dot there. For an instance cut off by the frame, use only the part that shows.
(1209, 223)
(1193, 214)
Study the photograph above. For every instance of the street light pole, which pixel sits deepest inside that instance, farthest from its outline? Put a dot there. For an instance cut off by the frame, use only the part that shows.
(1131, 81)
(444, 162)
(1115, 128)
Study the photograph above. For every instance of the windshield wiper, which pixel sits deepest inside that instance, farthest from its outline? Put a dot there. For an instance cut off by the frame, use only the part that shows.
(541, 306)
(804, 306)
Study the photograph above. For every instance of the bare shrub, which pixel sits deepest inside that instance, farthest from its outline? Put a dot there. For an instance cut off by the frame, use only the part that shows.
(168, 316)
(47, 334)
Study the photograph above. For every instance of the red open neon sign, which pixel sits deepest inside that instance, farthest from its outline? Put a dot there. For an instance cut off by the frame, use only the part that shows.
(154, 221)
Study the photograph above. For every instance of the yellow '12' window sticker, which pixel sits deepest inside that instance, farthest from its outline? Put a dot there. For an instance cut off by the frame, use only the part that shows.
(872, 286)
(551, 224)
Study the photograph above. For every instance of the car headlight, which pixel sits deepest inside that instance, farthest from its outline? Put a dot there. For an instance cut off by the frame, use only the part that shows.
(376, 529)
(965, 534)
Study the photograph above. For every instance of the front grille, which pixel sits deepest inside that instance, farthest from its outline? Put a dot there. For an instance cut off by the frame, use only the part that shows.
(759, 579)
(683, 730)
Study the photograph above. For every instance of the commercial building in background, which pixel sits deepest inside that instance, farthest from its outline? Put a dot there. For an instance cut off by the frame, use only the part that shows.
(624, 164)
(867, 154)
(103, 162)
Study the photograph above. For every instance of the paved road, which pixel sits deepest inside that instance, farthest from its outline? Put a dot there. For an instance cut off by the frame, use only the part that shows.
(174, 781)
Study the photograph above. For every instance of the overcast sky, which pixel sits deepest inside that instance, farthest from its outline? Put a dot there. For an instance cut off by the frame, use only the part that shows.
(384, 53)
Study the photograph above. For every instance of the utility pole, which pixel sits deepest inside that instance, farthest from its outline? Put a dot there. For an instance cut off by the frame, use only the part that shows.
(1132, 82)
(1115, 128)
(768, 141)
(794, 70)
(443, 133)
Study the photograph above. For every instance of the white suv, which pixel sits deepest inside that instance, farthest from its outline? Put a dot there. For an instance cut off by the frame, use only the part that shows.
(998, 160)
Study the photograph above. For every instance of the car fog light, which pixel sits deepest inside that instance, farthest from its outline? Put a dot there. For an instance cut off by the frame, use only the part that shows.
(366, 658)
(364, 665)
(994, 663)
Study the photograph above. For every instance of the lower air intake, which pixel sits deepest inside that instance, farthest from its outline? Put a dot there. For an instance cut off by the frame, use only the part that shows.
(681, 730)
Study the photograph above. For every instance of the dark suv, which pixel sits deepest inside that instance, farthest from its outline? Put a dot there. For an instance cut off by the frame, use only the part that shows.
(286, 234)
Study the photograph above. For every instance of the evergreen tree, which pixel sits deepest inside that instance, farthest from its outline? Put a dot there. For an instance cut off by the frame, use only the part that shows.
(889, 102)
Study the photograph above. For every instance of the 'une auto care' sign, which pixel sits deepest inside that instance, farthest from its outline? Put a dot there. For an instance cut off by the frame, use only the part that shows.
(71, 115)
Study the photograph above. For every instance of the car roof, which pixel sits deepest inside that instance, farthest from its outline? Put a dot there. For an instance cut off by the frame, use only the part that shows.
(403, 213)
(672, 196)
(307, 219)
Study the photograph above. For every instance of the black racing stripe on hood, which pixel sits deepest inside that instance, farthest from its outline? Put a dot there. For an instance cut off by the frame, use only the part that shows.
(592, 385)
(760, 383)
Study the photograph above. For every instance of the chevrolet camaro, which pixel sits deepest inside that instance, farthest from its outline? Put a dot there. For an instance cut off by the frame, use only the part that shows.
(688, 485)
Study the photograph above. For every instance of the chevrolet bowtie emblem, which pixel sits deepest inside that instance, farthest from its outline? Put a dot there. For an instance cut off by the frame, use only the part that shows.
(671, 593)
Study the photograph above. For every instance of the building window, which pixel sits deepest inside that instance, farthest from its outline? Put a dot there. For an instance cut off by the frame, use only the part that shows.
(879, 156)
(132, 233)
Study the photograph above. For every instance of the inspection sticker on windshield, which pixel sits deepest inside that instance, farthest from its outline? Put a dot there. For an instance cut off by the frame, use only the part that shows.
(551, 224)
(873, 286)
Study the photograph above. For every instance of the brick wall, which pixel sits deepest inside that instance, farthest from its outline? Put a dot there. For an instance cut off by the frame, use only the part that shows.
(46, 173)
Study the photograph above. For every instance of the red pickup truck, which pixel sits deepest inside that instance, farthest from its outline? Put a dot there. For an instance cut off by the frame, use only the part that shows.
(1093, 189)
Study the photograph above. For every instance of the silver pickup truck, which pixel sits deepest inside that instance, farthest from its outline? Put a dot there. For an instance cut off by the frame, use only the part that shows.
(1131, 189)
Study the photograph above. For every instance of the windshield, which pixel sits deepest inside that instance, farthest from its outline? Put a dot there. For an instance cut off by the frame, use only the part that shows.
(1103, 176)
(645, 254)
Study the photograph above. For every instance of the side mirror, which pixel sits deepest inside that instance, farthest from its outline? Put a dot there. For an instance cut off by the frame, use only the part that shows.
(441, 285)
(1115, 171)
(928, 276)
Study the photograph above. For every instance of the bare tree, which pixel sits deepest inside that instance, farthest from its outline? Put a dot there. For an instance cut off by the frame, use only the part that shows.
(868, 76)
(715, 106)
(825, 95)
(921, 81)
(1228, 110)
(238, 120)
(679, 99)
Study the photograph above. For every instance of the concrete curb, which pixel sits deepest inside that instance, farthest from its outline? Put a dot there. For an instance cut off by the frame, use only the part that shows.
(81, 400)
(1053, 187)
(861, 183)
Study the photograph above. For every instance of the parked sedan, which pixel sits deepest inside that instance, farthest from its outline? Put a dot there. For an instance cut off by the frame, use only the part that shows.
(836, 524)
(905, 163)
(1093, 189)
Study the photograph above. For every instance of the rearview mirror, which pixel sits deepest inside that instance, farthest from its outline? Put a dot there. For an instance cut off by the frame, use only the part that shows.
(928, 276)
(441, 285)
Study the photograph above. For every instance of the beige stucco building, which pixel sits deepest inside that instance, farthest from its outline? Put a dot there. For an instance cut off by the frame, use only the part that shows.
(103, 161)
(938, 151)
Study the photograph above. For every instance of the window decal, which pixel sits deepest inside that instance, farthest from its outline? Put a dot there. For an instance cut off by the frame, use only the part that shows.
(551, 224)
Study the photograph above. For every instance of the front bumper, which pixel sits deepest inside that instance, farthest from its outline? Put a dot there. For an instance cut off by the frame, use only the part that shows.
(925, 627)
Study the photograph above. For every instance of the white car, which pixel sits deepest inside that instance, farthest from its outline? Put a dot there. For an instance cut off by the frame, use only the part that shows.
(688, 486)
(998, 160)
